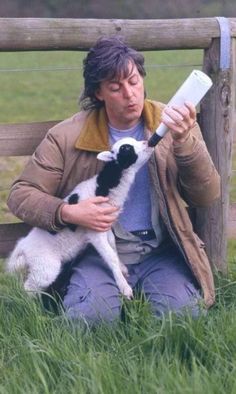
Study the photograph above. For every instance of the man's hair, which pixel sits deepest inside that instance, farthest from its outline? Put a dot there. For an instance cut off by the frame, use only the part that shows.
(109, 58)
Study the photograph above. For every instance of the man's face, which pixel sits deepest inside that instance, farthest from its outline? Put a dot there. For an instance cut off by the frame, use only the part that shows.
(123, 98)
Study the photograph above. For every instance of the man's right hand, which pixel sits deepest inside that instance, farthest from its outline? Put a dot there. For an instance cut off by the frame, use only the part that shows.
(91, 213)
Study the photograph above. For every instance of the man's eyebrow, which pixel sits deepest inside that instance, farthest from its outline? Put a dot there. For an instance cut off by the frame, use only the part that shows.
(131, 75)
(113, 81)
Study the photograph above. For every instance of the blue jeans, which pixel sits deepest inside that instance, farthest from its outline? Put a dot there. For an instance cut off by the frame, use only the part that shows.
(163, 277)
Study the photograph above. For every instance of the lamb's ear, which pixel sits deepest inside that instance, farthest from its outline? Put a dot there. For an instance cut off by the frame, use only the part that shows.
(105, 156)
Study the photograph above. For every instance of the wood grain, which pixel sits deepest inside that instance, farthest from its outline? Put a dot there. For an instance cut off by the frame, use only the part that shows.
(27, 34)
(218, 118)
(21, 139)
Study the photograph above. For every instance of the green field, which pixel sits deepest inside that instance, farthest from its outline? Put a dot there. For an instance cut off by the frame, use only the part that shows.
(41, 352)
(46, 85)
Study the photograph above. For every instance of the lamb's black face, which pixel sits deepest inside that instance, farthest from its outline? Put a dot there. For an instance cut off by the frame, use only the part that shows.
(126, 156)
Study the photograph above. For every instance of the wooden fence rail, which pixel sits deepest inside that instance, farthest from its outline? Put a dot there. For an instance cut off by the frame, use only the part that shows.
(22, 139)
(30, 34)
(217, 111)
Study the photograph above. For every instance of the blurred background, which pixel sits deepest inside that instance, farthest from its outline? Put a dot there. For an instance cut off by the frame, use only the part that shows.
(133, 9)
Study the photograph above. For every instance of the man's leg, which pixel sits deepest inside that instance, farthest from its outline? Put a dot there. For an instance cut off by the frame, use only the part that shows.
(168, 283)
(92, 294)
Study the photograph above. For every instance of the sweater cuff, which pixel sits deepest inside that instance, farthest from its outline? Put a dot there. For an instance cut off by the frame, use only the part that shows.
(186, 147)
(59, 223)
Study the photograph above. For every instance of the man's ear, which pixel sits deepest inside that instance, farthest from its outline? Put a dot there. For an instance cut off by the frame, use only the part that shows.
(98, 95)
(105, 156)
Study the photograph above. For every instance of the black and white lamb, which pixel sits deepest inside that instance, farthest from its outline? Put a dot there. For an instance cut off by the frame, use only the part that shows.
(43, 253)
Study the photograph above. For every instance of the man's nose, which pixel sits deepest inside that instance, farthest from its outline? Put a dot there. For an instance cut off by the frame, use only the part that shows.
(127, 90)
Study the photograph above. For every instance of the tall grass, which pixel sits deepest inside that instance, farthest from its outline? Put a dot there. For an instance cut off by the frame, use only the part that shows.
(43, 352)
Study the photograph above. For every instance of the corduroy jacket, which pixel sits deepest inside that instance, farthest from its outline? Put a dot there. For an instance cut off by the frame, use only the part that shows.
(183, 175)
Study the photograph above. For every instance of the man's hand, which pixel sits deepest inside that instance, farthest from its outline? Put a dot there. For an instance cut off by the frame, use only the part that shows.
(179, 119)
(91, 213)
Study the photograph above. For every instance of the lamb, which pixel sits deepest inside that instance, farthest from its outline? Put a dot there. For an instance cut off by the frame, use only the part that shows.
(42, 253)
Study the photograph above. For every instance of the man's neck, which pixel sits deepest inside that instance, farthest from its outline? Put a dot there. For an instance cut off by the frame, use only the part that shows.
(127, 129)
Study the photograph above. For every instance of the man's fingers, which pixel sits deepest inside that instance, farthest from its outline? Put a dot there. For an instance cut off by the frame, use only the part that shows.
(109, 210)
(191, 108)
(99, 199)
(102, 226)
(180, 118)
(181, 112)
(172, 116)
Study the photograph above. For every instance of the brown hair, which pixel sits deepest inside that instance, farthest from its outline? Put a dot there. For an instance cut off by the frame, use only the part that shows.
(109, 57)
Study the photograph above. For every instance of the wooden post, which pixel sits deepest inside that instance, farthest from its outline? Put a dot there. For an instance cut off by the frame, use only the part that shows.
(218, 125)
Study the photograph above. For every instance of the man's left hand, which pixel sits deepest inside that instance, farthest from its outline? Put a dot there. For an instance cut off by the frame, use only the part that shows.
(180, 120)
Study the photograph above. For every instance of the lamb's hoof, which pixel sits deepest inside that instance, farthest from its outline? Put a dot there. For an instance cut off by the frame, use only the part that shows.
(32, 290)
(127, 292)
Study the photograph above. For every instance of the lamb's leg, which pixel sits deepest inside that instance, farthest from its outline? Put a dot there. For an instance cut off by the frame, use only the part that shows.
(110, 256)
(43, 272)
(112, 242)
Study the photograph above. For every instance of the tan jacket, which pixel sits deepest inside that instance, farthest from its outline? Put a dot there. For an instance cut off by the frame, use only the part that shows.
(182, 174)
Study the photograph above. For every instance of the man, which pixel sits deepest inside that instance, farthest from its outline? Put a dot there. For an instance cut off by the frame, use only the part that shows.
(165, 259)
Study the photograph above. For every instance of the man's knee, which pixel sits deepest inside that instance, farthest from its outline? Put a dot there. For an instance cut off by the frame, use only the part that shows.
(92, 294)
(166, 305)
(181, 300)
(92, 308)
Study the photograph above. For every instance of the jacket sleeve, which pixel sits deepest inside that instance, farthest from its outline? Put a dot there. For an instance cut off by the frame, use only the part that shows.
(199, 180)
(32, 196)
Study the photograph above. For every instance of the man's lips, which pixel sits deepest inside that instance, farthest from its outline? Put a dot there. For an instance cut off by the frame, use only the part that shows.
(131, 106)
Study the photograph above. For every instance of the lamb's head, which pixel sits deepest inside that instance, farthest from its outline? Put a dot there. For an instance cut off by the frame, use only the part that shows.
(127, 152)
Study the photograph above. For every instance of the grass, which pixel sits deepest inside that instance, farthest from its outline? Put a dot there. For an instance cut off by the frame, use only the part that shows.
(52, 93)
(42, 352)
(45, 353)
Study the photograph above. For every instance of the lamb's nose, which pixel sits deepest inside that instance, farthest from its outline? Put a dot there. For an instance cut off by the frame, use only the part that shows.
(125, 148)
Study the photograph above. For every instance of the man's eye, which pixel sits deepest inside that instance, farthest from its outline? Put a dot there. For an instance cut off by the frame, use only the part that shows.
(115, 88)
(134, 80)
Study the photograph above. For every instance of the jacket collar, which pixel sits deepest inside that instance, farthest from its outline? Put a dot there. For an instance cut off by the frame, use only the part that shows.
(94, 136)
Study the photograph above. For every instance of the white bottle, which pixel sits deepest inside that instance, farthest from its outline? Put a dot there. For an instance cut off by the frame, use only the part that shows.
(193, 89)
